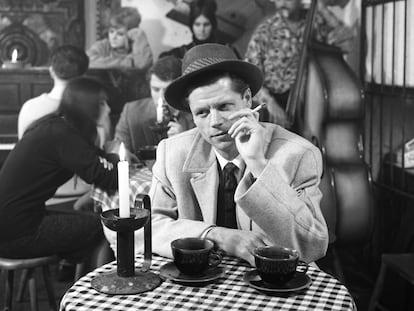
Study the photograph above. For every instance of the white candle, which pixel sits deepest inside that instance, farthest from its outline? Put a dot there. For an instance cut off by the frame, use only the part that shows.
(123, 183)
(160, 110)
(14, 55)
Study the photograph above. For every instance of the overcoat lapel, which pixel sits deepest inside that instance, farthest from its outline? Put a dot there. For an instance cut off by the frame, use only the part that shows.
(201, 163)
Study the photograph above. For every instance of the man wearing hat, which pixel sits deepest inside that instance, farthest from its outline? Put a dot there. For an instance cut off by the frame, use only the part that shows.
(275, 173)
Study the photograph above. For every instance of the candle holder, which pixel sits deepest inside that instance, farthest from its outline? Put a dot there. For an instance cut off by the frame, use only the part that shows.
(12, 65)
(126, 279)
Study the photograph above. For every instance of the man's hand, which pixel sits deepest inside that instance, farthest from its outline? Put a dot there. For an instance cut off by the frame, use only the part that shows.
(239, 243)
(249, 137)
(113, 147)
(175, 127)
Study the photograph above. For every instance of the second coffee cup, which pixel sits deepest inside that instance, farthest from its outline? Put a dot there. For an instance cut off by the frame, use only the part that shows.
(277, 265)
(193, 256)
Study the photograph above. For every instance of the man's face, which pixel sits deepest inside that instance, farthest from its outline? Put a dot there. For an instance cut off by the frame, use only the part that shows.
(211, 106)
(157, 87)
(118, 37)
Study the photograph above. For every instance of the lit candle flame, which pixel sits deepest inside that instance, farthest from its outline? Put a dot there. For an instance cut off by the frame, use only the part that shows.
(14, 55)
(122, 152)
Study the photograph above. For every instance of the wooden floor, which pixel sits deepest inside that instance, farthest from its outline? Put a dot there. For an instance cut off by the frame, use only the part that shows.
(359, 283)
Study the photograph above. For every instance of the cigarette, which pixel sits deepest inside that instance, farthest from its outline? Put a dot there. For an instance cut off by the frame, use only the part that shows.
(258, 108)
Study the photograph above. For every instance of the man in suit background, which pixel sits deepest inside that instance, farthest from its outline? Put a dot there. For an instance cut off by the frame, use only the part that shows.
(134, 127)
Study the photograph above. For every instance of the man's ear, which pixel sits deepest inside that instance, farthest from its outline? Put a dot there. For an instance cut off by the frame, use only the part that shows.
(247, 96)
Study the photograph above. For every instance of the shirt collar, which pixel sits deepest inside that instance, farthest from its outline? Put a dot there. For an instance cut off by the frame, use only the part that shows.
(238, 161)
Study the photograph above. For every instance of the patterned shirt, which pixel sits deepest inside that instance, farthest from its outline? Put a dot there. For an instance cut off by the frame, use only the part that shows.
(275, 48)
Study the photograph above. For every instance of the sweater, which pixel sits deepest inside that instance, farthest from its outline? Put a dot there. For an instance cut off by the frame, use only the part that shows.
(47, 156)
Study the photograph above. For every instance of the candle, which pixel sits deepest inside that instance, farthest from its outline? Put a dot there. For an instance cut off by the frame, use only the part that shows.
(123, 183)
(160, 110)
(14, 55)
(14, 63)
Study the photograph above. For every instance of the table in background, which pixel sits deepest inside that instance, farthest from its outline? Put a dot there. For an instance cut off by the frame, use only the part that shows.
(227, 293)
(139, 182)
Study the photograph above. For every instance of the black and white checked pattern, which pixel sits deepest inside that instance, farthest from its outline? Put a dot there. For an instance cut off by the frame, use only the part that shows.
(139, 182)
(227, 293)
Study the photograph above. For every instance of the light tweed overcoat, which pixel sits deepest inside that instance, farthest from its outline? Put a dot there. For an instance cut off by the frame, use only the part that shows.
(283, 201)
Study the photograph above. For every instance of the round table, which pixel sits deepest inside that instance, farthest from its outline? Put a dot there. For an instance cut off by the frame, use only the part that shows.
(230, 292)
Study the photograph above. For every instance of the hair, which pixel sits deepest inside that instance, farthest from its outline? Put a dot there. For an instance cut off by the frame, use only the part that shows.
(206, 8)
(69, 62)
(80, 105)
(128, 17)
(166, 68)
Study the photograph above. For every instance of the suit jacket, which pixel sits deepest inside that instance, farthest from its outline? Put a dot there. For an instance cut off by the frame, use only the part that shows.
(283, 201)
(133, 127)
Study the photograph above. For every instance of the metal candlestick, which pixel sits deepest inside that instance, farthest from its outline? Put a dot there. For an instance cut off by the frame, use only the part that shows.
(126, 279)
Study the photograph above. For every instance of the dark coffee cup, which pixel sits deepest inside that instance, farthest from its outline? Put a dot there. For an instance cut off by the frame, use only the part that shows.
(277, 265)
(193, 256)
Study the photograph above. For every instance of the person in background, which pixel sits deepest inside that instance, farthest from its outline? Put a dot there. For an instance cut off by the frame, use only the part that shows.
(66, 62)
(137, 117)
(276, 44)
(203, 25)
(274, 173)
(51, 151)
(126, 44)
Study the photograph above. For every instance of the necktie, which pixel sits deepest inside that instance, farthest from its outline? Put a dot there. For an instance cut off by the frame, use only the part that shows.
(226, 209)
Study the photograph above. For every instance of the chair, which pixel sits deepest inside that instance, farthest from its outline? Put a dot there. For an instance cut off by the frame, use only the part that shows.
(402, 264)
(28, 266)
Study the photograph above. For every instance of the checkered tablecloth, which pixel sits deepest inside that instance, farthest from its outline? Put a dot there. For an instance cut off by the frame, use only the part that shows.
(139, 182)
(228, 293)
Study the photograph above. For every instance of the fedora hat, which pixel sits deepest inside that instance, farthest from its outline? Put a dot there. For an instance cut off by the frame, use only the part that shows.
(206, 58)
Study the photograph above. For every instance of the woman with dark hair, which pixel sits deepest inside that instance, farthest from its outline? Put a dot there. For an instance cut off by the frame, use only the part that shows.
(203, 25)
(51, 151)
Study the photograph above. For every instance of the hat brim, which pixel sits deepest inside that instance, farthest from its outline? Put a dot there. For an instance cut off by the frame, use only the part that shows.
(176, 92)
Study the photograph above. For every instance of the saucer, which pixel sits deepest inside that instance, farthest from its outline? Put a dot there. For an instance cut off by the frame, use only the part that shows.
(170, 271)
(299, 282)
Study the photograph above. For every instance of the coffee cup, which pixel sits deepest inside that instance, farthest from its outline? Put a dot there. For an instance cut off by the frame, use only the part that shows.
(277, 265)
(193, 256)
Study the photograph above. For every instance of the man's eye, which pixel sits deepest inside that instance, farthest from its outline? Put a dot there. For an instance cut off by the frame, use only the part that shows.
(202, 113)
(223, 107)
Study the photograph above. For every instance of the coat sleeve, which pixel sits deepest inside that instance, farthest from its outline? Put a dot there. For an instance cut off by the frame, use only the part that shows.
(141, 51)
(166, 223)
(101, 56)
(86, 161)
(288, 211)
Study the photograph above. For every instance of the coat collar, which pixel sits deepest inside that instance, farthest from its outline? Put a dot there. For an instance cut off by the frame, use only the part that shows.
(201, 163)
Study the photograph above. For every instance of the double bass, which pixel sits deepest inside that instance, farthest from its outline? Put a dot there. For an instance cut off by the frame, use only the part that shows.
(326, 106)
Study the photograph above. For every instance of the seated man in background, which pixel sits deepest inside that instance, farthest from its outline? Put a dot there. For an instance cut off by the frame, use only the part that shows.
(138, 117)
(67, 62)
(275, 174)
(276, 44)
(126, 45)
